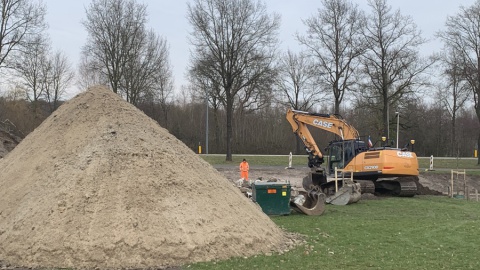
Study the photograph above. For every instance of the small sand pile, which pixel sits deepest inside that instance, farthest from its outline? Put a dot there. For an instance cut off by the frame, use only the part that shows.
(101, 185)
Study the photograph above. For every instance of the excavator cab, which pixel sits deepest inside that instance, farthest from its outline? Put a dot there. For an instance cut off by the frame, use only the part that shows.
(342, 153)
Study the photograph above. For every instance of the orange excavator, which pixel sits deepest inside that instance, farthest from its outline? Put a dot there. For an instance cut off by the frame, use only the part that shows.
(379, 170)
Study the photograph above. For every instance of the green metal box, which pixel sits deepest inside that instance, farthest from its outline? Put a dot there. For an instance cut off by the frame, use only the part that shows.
(273, 197)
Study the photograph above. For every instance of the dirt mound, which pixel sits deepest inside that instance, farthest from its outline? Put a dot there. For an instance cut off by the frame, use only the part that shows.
(424, 188)
(101, 185)
(440, 182)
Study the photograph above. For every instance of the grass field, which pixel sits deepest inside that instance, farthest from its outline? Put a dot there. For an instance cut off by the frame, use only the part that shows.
(263, 160)
(424, 232)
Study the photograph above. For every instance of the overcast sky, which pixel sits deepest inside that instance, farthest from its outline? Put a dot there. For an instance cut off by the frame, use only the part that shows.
(168, 18)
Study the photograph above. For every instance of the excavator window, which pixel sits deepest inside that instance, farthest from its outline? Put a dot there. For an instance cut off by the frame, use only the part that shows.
(340, 154)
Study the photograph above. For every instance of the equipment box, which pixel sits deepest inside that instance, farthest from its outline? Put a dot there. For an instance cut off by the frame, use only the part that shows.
(273, 198)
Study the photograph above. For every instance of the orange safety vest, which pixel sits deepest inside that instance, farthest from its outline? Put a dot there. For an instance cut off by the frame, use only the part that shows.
(244, 170)
(244, 166)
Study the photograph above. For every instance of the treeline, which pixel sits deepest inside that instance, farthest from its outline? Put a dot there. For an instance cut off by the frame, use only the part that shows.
(362, 64)
(266, 131)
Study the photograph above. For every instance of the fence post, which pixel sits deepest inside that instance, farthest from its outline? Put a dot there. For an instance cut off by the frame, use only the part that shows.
(431, 163)
(451, 184)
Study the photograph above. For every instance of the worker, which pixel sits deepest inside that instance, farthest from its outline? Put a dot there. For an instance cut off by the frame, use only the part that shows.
(244, 170)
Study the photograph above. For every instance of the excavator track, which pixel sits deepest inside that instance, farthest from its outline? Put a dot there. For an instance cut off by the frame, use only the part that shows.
(401, 186)
(366, 186)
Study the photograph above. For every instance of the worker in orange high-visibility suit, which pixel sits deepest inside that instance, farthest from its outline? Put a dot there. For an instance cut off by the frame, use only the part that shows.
(244, 169)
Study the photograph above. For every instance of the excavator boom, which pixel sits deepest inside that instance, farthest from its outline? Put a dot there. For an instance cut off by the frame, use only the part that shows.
(300, 120)
(329, 122)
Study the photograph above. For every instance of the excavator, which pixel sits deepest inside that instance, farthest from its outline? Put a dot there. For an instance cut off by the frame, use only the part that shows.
(363, 168)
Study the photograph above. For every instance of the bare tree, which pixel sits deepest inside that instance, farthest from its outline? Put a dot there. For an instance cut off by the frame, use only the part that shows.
(151, 76)
(334, 40)
(454, 91)
(234, 44)
(391, 65)
(114, 28)
(462, 34)
(19, 20)
(121, 50)
(202, 87)
(89, 72)
(295, 85)
(33, 67)
(59, 76)
(148, 73)
(295, 82)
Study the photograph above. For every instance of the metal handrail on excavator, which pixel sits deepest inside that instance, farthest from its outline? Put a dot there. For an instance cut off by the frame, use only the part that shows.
(348, 193)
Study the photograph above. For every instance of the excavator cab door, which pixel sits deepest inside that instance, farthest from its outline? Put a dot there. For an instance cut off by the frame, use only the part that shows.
(340, 154)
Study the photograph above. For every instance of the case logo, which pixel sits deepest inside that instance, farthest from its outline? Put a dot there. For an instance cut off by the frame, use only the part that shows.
(321, 123)
(405, 154)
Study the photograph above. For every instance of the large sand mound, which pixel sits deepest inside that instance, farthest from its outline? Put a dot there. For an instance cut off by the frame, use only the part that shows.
(101, 185)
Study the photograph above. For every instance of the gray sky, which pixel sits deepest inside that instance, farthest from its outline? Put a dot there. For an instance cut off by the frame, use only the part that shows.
(168, 18)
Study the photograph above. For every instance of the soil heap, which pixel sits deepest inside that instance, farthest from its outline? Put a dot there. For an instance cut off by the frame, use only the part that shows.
(101, 185)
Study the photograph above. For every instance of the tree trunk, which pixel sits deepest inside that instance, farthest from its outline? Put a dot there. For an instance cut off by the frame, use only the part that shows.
(216, 136)
(298, 146)
(336, 95)
(229, 126)
(454, 143)
(477, 105)
(337, 106)
(478, 150)
(385, 118)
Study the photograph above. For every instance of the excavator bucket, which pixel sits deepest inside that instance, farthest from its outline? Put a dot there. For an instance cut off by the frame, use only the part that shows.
(311, 203)
(347, 194)
(314, 180)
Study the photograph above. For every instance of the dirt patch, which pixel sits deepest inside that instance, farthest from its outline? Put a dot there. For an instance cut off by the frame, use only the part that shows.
(441, 181)
(101, 185)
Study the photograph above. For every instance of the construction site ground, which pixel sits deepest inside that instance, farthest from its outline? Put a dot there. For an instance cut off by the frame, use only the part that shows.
(430, 182)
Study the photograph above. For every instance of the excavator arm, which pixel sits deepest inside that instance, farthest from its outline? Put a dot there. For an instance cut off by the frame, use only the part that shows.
(300, 120)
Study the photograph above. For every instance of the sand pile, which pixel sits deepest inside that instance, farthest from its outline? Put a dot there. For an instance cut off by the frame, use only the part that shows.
(101, 185)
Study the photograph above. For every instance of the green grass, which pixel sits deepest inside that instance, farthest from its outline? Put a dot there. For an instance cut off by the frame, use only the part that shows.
(449, 163)
(301, 160)
(424, 232)
(257, 160)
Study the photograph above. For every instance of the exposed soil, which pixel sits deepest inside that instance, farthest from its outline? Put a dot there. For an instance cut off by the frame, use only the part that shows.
(430, 183)
(99, 185)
